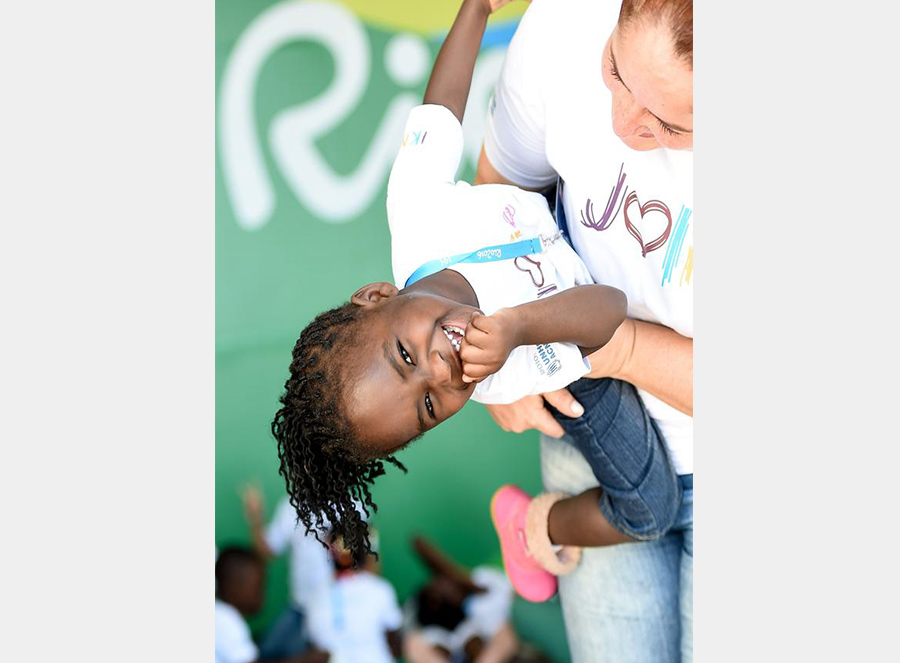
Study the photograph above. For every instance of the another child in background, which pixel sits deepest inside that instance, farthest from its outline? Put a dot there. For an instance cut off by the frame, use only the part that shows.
(458, 615)
(357, 619)
(472, 321)
(309, 566)
(240, 583)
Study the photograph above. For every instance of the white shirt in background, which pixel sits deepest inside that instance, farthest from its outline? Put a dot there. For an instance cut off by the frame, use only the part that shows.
(485, 614)
(352, 617)
(233, 641)
(630, 213)
(432, 216)
(309, 565)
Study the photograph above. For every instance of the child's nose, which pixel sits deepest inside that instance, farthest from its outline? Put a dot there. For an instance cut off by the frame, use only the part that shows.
(440, 368)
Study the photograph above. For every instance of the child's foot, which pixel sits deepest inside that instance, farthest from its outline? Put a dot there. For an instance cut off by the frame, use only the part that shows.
(509, 508)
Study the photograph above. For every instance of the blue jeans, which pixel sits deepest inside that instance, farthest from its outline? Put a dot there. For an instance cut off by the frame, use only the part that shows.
(632, 602)
(287, 636)
(622, 444)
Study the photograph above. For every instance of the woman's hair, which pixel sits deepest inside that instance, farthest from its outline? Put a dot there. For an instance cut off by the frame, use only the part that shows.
(325, 469)
(678, 16)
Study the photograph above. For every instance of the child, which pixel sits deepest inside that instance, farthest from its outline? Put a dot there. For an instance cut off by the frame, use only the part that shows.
(309, 567)
(240, 580)
(374, 374)
(459, 615)
(357, 619)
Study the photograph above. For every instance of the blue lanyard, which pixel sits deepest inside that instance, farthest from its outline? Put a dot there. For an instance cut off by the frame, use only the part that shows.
(523, 247)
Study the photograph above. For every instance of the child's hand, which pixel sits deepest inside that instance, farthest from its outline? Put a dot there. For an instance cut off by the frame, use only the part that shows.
(494, 5)
(489, 340)
(253, 503)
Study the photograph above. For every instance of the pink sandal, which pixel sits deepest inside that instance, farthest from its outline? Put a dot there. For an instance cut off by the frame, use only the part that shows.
(529, 558)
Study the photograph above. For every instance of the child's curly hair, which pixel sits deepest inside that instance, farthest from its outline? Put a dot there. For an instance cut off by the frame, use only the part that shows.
(326, 470)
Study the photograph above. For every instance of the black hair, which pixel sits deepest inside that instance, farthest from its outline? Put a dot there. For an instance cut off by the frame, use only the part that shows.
(325, 468)
(434, 609)
(232, 562)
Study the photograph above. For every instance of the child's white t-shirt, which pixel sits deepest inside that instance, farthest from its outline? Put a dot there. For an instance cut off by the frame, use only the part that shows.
(352, 617)
(233, 641)
(310, 564)
(432, 216)
(630, 213)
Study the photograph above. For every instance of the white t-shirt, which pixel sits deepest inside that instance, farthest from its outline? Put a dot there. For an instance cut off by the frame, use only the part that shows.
(310, 565)
(352, 617)
(630, 213)
(432, 216)
(233, 641)
(484, 613)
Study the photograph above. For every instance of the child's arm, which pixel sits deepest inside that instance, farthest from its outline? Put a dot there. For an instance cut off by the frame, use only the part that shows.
(451, 76)
(586, 315)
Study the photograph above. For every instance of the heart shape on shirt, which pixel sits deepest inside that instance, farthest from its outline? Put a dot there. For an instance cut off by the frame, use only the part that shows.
(532, 268)
(649, 206)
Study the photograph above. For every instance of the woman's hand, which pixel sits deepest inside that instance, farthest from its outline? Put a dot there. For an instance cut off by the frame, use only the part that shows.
(530, 413)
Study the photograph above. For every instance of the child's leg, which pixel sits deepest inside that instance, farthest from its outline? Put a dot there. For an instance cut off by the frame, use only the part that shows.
(578, 521)
(641, 493)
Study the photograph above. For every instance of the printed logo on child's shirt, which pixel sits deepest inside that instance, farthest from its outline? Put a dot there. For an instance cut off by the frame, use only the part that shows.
(545, 360)
(509, 215)
(413, 138)
(532, 267)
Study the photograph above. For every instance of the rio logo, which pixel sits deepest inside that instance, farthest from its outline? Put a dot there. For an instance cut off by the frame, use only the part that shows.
(294, 134)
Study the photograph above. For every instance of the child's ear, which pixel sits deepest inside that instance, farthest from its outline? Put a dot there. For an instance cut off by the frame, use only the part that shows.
(373, 293)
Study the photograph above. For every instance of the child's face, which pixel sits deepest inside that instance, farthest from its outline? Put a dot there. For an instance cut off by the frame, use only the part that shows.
(411, 373)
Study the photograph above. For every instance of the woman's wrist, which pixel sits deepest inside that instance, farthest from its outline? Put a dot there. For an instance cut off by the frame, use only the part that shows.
(613, 360)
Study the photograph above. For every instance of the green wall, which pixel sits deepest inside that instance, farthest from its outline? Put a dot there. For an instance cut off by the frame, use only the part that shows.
(275, 270)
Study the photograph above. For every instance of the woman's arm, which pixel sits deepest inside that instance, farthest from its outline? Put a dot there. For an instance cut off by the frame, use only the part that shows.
(651, 357)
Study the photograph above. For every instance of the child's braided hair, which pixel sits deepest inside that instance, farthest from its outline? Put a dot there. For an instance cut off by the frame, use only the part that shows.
(326, 471)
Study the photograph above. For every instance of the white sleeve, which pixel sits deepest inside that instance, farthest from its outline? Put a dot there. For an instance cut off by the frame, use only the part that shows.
(281, 528)
(430, 152)
(391, 615)
(321, 620)
(233, 641)
(515, 131)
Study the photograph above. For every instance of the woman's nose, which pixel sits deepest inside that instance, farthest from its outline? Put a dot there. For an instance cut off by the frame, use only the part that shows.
(626, 115)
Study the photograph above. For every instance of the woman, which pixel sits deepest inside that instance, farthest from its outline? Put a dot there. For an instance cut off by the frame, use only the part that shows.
(625, 194)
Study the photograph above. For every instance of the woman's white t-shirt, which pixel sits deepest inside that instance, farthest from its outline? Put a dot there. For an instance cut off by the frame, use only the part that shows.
(630, 213)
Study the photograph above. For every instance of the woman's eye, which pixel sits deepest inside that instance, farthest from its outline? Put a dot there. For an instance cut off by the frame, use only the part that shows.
(612, 69)
(429, 406)
(404, 354)
(667, 130)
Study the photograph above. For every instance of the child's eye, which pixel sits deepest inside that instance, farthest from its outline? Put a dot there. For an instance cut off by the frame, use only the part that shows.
(429, 406)
(404, 354)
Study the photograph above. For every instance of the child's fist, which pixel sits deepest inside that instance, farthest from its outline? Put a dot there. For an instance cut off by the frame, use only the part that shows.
(489, 340)
(494, 5)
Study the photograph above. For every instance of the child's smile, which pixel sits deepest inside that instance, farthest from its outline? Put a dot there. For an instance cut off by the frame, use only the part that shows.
(410, 374)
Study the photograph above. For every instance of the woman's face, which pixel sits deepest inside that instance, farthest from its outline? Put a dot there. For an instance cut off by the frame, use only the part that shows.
(652, 89)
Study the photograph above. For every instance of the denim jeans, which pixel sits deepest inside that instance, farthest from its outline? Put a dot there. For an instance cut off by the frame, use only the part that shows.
(286, 637)
(632, 602)
(624, 447)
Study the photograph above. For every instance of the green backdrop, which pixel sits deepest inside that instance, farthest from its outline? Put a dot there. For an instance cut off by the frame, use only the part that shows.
(308, 96)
